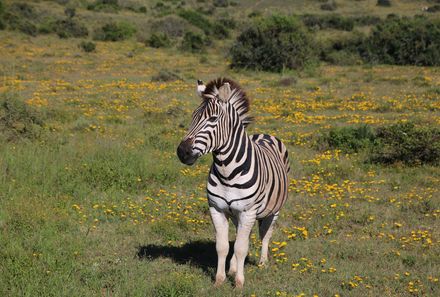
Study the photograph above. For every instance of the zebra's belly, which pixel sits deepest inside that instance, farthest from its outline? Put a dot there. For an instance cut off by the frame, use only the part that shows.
(229, 200)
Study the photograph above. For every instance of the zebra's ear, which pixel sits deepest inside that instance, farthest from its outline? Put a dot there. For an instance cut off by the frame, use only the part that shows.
(200, 87)
(224, 92)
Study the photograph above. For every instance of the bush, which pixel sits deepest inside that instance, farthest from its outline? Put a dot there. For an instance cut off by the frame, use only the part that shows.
(115, 32)
(87, 46)
(220, 31)
(329, 6)
(172, 26)
(344, 51)
(366, 20)
(273, 44)
(18, 120)
(158, 40)
(2, 10)
(196, 19)
(408, 144)
(434, 8)
(165, 75)
(347, 139)
(193, 42)
(70, 12)
(70, 28)
(229, 23)
(404, 41)
(110, 6)
(47, 26)
(24, 26)
(221, 3)
(385, 3)
(17, 17)
(333, 21)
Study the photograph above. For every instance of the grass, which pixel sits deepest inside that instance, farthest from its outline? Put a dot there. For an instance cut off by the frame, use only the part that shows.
(97, 204)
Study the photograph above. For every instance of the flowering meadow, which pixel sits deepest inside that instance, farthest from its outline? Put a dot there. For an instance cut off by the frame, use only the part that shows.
(94, 201)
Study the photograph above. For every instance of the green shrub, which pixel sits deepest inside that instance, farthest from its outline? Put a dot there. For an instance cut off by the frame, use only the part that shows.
(273, 44)
(221, 3)
(330, 6)
(385, 3)
(19, 16)
(115, 32)
(196, 19)
(2, 10)
(70, 12)
(366, 20)
(220, 31)
(407, 143)
(344, 51)
(434, 8)
(255, 14)
(70, 28)
(158, 40)
(165, 75)
(229, 23)
(193, 42)
(87, 46)
(23, 10)
(171, 25)
(110, 6)
(162, 9)
(24, 26)
(404, 41)
(347, 139)
(18, 120)
(333, 21)
(47, 26)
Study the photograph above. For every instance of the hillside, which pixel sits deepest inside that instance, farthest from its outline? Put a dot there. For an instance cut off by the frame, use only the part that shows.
(94, 201)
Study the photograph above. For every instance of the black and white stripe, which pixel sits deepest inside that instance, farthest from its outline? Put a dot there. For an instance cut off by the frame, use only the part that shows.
(248, 179)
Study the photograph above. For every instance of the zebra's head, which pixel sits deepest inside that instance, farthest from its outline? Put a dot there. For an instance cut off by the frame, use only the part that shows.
(211, 122)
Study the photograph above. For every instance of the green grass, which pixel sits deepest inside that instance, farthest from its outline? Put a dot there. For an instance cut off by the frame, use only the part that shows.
(97, 204)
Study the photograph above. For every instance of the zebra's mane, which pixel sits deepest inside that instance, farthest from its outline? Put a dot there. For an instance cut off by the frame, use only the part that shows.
(237, 98)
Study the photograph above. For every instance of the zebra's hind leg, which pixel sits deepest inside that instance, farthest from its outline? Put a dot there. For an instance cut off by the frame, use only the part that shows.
(266, 228)
(233, 262)
(221, 226)
(246, 221)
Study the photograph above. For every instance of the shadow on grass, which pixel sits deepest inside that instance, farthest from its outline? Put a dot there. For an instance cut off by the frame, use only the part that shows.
(201, 254)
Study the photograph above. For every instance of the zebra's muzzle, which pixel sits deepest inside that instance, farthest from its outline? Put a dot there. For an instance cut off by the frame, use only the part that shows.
(186, 153)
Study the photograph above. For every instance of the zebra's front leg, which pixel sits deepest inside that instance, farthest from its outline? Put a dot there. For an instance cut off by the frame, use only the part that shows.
(266, 229)
(233, 262)
(220, 222)
(246, 221)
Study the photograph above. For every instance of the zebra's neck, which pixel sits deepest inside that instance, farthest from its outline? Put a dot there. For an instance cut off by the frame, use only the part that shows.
(235, 156)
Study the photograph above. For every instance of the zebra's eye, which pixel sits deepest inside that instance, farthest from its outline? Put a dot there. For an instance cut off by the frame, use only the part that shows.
(212, 119)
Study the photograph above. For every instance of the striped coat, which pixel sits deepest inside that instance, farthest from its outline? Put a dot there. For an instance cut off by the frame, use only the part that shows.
(248, 179)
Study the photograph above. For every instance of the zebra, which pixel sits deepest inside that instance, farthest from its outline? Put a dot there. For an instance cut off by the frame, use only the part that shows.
(248, 179)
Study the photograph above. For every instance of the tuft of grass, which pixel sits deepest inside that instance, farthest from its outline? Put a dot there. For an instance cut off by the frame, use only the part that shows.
(18, 120)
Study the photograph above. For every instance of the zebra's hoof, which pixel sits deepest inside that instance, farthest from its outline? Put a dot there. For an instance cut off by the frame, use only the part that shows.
(219, 280)
(239, 284)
